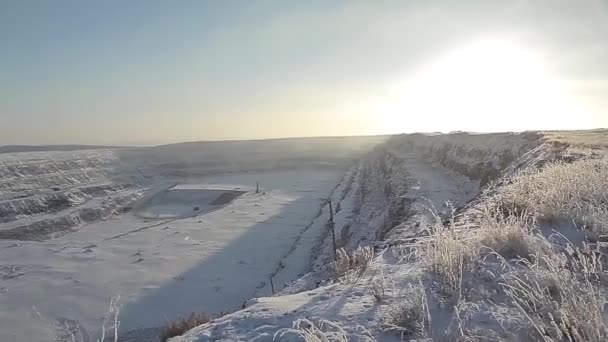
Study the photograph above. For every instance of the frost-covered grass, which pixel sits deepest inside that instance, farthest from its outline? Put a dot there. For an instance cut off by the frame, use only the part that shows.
(323, 331)
(451, 251)
(562, 295)
(448, 254)
(559, 291)
(380, 287)
(510, 236)
(577, 191)
(574, 192)
(351, 265)
(410, 316)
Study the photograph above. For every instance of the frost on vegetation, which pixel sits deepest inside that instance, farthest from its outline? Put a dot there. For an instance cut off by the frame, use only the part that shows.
(562, 295)
(577, 191)
(323, 331)
(558, 293)
(410, 317)
(351, 265)
(379, 286)
(448, 253)
(510, 236)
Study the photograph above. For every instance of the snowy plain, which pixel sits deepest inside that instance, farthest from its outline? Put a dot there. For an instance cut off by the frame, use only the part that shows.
(182, 242)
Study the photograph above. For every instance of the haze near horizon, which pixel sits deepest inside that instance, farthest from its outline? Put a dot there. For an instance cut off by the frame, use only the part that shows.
(134, 73)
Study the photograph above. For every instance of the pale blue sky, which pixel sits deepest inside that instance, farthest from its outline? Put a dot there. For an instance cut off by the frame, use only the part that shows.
(147, 72)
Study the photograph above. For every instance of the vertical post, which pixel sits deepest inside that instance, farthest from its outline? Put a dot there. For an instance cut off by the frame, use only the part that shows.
(271, 285)
(257, 187)
(331, 226)
(333, 236)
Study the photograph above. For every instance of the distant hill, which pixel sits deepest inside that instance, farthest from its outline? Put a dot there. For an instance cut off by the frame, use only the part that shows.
(346, 139)
(42, 148)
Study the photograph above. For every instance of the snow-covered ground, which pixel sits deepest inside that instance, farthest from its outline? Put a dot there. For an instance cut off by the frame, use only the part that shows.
(350, 303)
(171, 230)
(195, 236)
(384, 202)
(161, 268)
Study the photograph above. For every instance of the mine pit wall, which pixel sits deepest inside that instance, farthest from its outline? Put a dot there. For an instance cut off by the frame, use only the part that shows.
(381, 181)
(55, 226)
(31, 172)
(373, 192)
(383, 184)
(479, 157)
(55, 201)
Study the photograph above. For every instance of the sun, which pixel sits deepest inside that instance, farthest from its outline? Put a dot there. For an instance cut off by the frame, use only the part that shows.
(488, 85)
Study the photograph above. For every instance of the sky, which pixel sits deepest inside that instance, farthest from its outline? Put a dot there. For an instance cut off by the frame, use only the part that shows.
(153, 72)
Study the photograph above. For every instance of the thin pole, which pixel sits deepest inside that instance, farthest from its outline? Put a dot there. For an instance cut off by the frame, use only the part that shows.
(271, 285)
(333, 232)
(333, 235)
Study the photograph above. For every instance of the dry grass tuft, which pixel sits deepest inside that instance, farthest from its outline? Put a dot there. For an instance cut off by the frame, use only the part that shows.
(351, 266)
(324, 331)
(510, 236)
(180, 326)
(561, 295)
(577, 191)
(379, 287)
(448, 254)
(411, 317)
(556, 292)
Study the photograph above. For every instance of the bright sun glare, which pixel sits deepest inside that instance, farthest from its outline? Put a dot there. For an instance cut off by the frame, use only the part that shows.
(490, 85)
